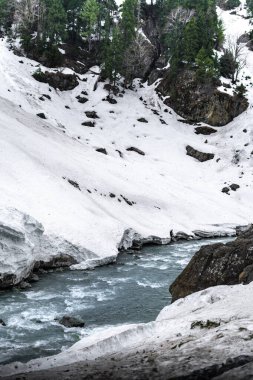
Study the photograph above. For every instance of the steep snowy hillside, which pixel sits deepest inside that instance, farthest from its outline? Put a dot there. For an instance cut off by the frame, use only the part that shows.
(51, 168)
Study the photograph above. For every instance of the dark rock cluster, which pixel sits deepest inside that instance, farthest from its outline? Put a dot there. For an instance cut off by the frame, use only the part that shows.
(217, 264)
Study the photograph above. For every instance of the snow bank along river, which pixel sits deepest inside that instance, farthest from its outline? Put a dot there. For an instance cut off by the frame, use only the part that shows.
(133, 290)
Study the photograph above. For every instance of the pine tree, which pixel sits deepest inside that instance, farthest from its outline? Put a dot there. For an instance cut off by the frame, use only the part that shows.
(55, 22)
(89, 14)
(129, 21)
(206, 66)
(191, 41)
(113, 56)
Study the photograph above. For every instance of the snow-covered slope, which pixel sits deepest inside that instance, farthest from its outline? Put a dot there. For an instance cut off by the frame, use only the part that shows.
(168, 190)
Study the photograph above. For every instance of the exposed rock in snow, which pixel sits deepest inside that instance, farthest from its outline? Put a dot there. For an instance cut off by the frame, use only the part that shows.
(200, 156)
(197, 102)
(57, 80)
(216, 264)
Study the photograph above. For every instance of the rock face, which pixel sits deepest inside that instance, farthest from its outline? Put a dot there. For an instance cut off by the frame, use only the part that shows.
(200, 156)
(58, 80)
(217, 264)
(141, 56)
(200, 102)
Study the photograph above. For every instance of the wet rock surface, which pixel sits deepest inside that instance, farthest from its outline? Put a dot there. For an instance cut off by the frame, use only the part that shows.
(217, 264)
(70, 322)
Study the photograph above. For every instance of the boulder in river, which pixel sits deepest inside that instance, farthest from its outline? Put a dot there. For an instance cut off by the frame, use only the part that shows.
(70, 322)
(217, 264)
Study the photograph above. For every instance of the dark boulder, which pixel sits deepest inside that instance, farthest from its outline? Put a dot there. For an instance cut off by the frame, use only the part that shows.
(57, 80)
(142, 120)
(217, 264)
(82, 99)
(41, 115)
(200, 156)
(91, 115)
(234, 187)
(206, 131)
(89, 124)
(200, 102)
(225, 190)
(136, 150)
(70, 322)
(2, 323)
(102, 150)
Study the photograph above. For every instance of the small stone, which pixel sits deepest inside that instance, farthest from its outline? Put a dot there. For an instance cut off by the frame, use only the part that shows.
(225, 190)
(142, 120)
(89, 124)
(91, 115)
(101, 150)
(41, 115)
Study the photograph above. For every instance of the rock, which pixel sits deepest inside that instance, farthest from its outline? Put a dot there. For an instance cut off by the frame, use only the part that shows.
(247, 275)
(2, 323)
(111, 100)
(91, 115)
(225, 190)
(143, 120)
(140, 56)
(200, 102)
(216, 264)
(58, 80)
(82, 99)
(33, 278)
(200, 156)
(206, 131)
(71, 322)
(74, 184)
(41, 115)
(89, 124)
(24, 285)
(101, 150)
(136, 150)
(111, 89)
(234, 187)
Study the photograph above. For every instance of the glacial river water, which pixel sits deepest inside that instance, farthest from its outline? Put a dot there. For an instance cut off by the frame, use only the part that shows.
(132, 290)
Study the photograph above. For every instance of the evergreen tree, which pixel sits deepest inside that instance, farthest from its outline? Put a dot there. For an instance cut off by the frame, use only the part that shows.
(55, 21)
(206, 66)
(89, 14)
(129, 21)
(191, 41)
(113, 56)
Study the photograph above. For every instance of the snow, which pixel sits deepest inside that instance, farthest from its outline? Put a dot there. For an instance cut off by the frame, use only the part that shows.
(170, 191)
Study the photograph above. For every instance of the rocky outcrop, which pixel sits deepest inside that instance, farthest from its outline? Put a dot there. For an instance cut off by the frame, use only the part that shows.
(200, 102)
(57, 80)
(200, 156)
(217, 264)
(140, 57)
